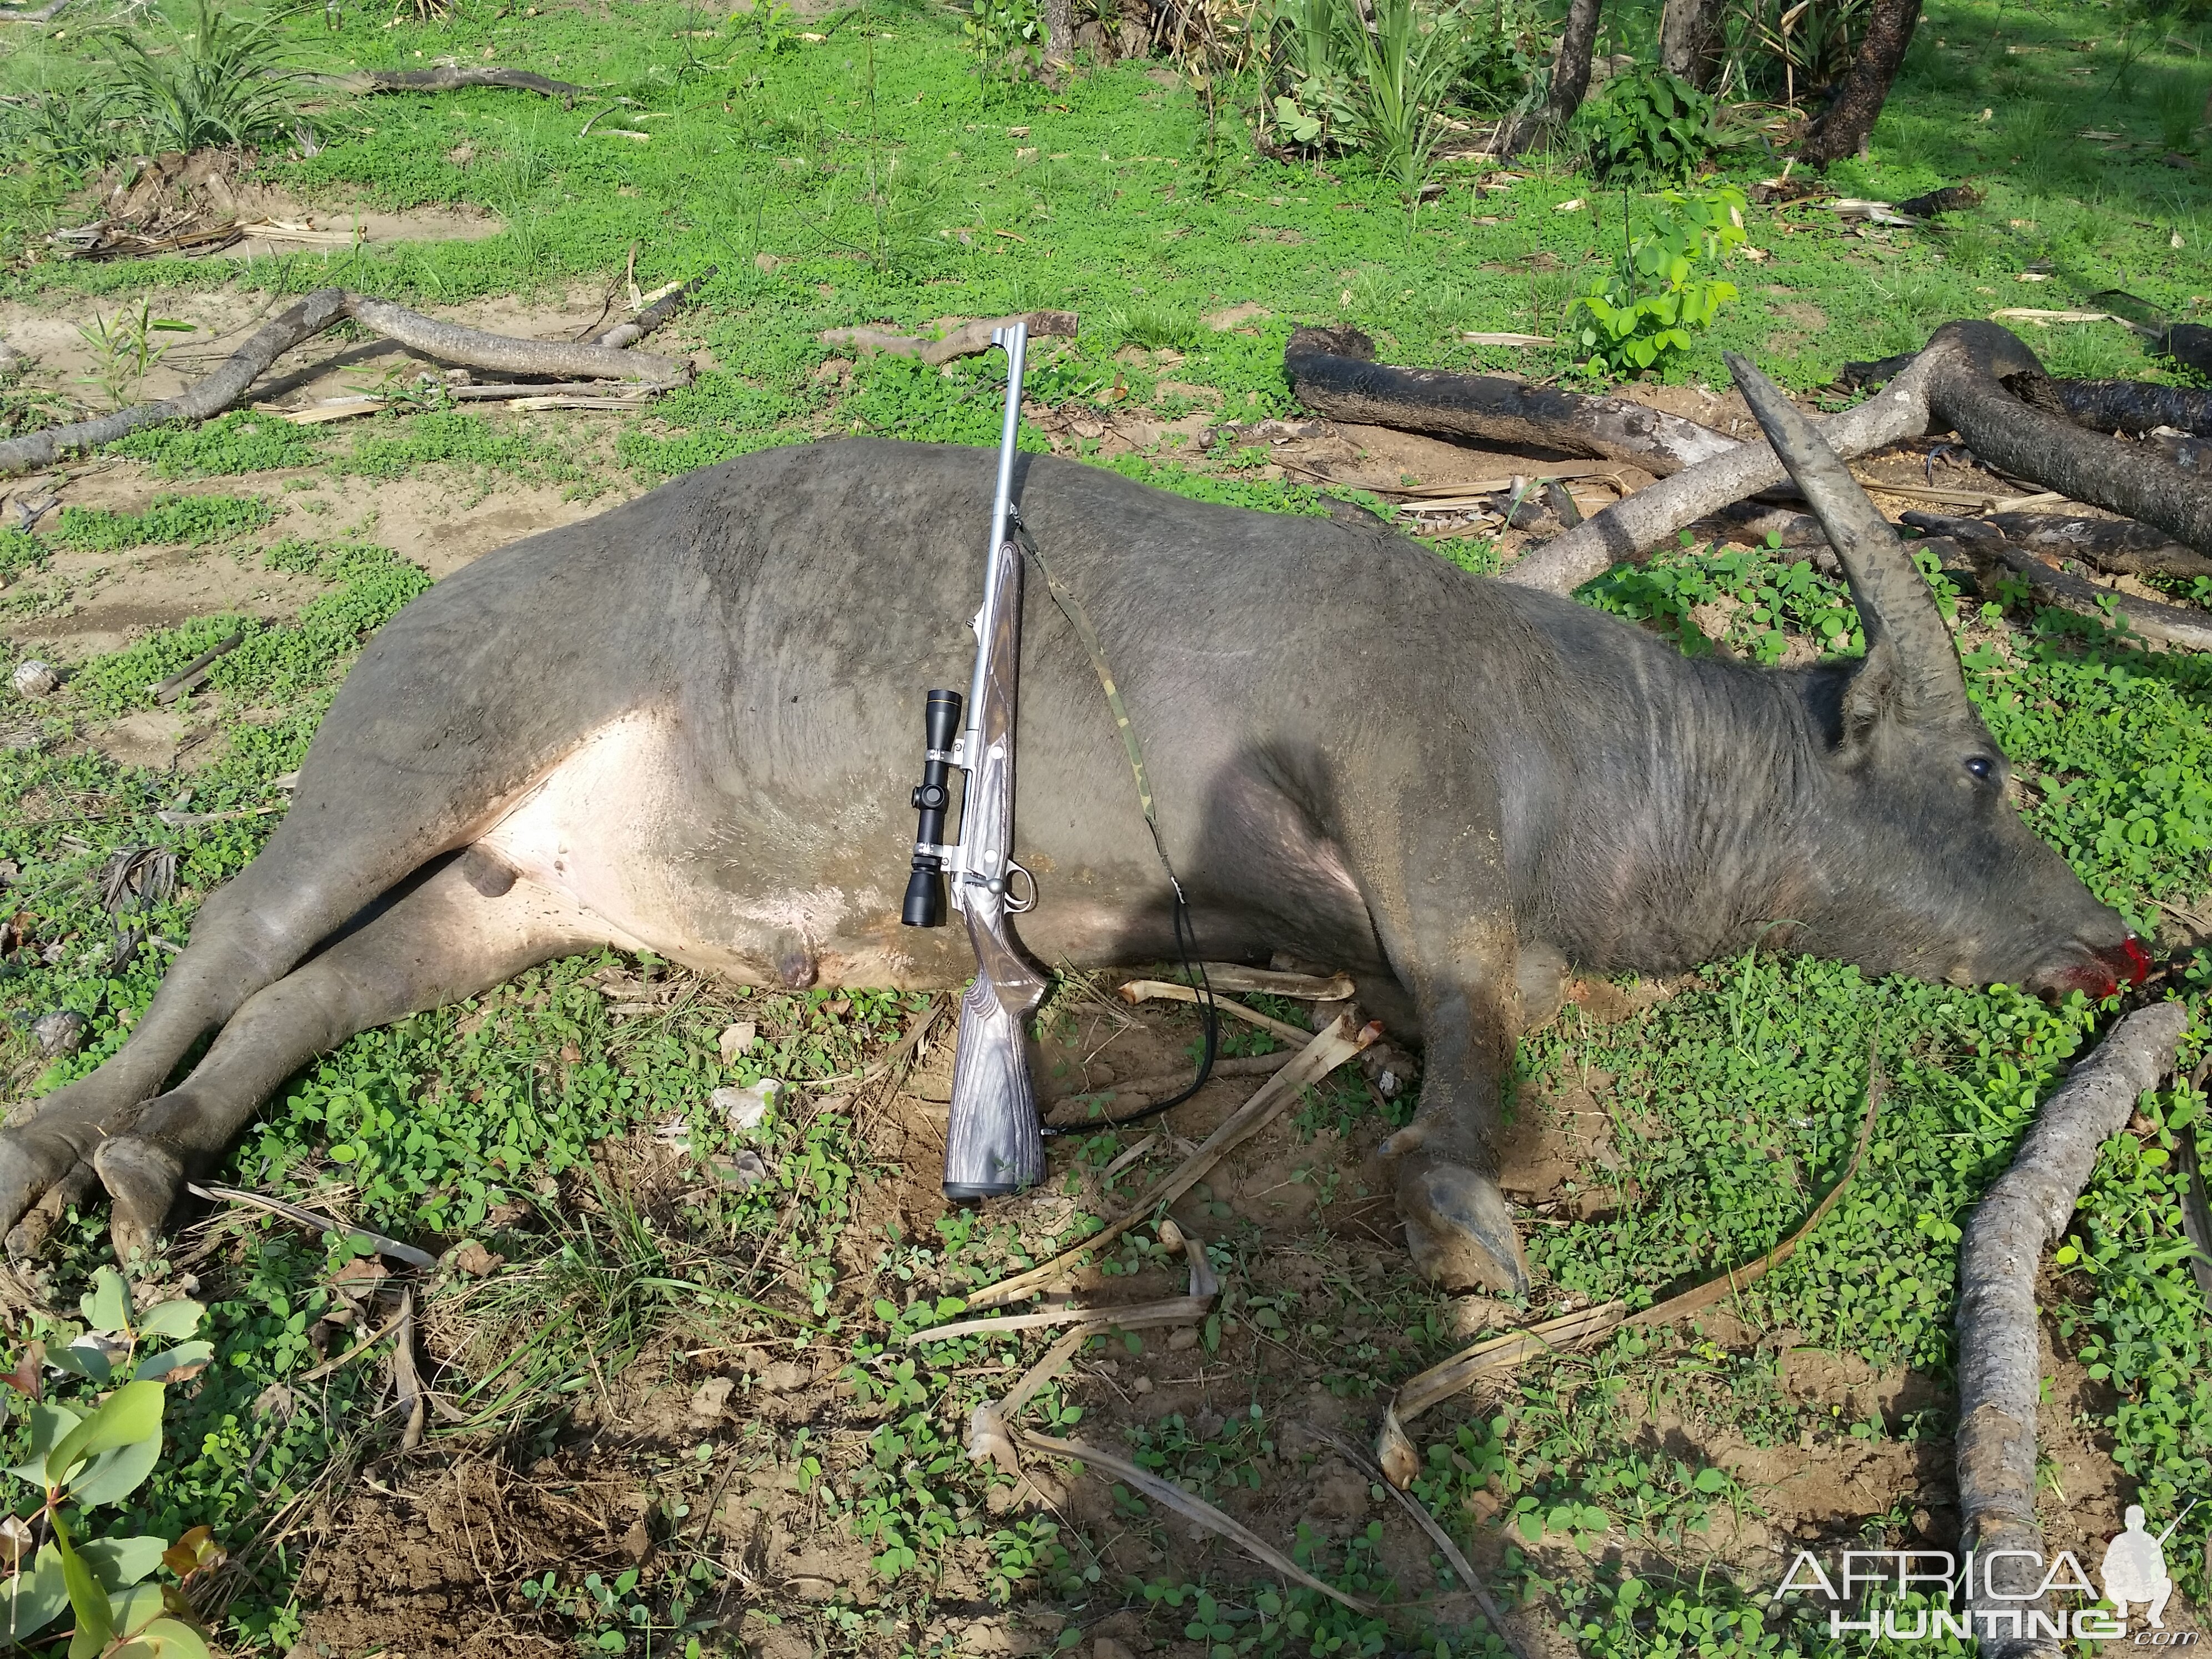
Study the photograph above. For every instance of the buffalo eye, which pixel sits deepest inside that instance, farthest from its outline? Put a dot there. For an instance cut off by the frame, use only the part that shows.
(1980, 765)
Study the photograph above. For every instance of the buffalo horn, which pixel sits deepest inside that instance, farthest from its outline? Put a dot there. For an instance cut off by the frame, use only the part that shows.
(1894, 604)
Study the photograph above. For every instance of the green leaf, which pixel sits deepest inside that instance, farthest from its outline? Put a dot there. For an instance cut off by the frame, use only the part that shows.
(172, 1321)
(31, 1601)
(156, 1367)
(49, 1422)
(137, 1608)
(86, 1362)
(106, 1305)
(116, 1475)
(95, 1617)
(131, 1413)
(120, 1562)
(165, 1639)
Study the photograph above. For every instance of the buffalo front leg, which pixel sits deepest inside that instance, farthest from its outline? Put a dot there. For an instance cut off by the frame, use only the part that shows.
(1458, 1225)
(1431, 873)
(440, 940)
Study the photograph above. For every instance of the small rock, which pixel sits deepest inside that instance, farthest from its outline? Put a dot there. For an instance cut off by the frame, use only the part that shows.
(745, 1109)
(998, 1499)
(473, 1259)
(33, 678)
(12, 361)
(765, 261)
(570, 1054)
(783, 1375)
(1106, 1648)
(1142, 1385)
(276, 1401)
(744, 1169)
(1183, 1337)
(711, 1397)
(637, 1542)
(735, 1039)
(61, 1032)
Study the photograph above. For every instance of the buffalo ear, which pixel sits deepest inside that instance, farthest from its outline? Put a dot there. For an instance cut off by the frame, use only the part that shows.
(1873, 694)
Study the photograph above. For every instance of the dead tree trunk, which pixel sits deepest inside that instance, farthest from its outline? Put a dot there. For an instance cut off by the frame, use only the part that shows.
(1848, 123)
(1571, 75)
(1333, 373)
(1690, 40)
(2000, 1355)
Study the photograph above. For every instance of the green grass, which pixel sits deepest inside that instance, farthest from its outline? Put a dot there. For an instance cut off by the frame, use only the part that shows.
(172, 520)
(241, 442)
(874, 177)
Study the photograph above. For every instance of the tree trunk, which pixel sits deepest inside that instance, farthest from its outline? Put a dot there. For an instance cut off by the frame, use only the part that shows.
(1333, 373)
(1690, 40)
(1570, 74)
(1060, 28)
(1849, 121)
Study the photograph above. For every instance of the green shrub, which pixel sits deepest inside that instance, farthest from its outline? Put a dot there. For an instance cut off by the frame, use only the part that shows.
(1648, 125)
(1648, 308)
(173, 520)
(1382, 90)
(221, 85)
(241, 441)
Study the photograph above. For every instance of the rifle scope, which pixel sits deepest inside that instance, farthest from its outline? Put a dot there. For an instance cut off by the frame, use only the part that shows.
(932, 797)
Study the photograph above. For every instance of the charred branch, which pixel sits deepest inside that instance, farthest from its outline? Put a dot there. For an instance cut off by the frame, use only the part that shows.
(1639, 522)
(2135, 407)
(230, 382)
(1964, 381)
(1970, 394)
(2115, 546)
(1333, 373)
(2167, 624)
(2024, 1211)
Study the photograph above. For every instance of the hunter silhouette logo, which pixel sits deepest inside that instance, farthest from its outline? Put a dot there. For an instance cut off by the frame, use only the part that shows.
(2135, 1570)
(1971, 1597)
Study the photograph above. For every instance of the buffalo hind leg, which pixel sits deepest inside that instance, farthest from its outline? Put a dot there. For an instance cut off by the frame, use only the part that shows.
(438, 942)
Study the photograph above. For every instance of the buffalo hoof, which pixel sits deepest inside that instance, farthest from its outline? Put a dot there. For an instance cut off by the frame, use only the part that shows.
(1459, 1228)
(63, 1156)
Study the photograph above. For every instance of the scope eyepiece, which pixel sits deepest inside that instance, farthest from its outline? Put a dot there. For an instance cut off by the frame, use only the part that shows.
(932, 799)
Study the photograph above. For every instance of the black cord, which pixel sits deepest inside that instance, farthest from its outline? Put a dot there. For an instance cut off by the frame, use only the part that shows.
(1186, 936)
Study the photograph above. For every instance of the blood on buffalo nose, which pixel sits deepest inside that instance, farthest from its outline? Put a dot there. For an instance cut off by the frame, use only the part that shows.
(2125, 964)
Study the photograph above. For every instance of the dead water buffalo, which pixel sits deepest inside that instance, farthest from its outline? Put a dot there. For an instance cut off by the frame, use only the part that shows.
(690, 724)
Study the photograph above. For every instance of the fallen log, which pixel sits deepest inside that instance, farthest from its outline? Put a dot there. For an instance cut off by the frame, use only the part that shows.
(1637, 523)
(44, 13)
(1333, 373)
(2135, 407)
(1969, 394)
(228, 382)
(649, 319)
(450, 79)
(2024, 1211)
(963, 342)
(2167, 624)
(2118, 547)
(1960, 382)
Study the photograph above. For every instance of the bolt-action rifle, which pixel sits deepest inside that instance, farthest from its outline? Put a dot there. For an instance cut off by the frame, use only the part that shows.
(994, 1144)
